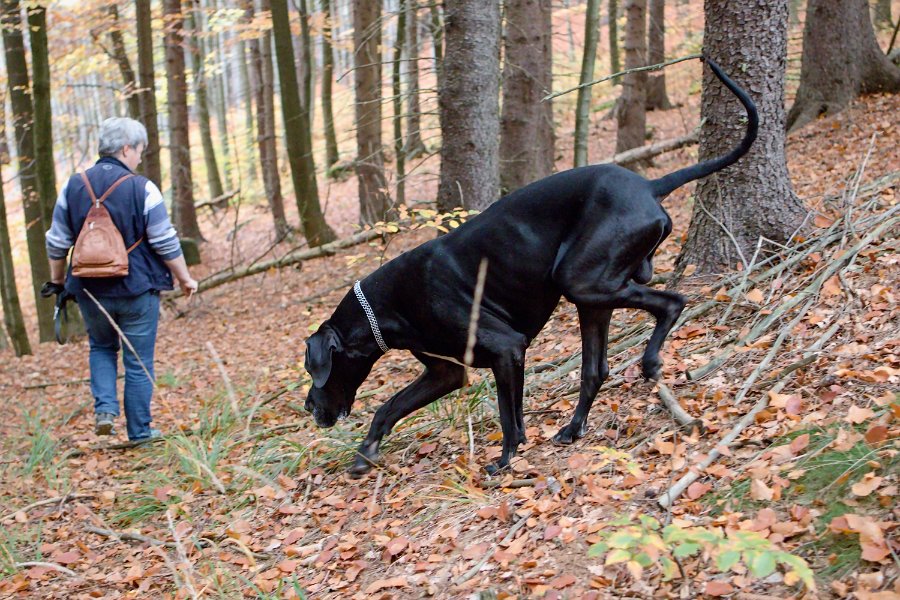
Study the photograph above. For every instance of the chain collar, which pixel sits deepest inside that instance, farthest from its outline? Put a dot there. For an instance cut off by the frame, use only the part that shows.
(370, 314)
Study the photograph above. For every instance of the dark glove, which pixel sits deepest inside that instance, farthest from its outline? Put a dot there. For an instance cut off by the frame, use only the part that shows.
(52, 289)
(60, 314)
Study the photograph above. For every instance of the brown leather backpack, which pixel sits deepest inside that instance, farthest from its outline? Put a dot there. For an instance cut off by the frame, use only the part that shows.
(100, 250)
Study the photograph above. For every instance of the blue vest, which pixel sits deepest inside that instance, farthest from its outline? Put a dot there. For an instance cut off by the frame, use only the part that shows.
(146, 269)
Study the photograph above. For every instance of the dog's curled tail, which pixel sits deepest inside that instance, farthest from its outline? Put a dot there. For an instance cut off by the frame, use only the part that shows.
(665, 185)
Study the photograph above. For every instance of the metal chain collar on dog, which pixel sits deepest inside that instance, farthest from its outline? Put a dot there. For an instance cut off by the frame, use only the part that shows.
(370, 314)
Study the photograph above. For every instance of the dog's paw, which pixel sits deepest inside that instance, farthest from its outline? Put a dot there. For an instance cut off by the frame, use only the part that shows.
(568, 434)
(496, 467)
(652, 368)
(362, 465)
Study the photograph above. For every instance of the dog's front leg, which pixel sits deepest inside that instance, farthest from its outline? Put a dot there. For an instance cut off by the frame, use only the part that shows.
(440, 377)
(594, 369)
(509, 371)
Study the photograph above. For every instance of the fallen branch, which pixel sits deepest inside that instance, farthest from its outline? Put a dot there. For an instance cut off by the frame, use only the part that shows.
(648, 152)
(58, 500)
(673, 493)
(127, 536)
(48, 565)
(509, 537)
(671, 402)
(218, 201)
(229, 275)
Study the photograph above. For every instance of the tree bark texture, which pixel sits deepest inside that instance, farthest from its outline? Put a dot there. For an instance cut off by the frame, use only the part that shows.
(13, 320)
(754, 197)
(23, 122)
(468, 101)
(262, 79)
(841, 60)
(397, 103)
(201, 100)
(297, 134)
(583, 102)
(151, 163)
(414, 146)
(436, 27)
(184, 215)
(374, 202)
(526, 124)
(615, 64)
(657, 98)
(118, 55)
(307, 65)
(631, 112)
(45, 162)
(331, 147)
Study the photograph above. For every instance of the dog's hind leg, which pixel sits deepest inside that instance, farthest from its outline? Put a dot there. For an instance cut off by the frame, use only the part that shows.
(440, 378)
(594, 369)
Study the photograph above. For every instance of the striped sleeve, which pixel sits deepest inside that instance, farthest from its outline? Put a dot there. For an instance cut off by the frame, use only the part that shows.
(60, 238)
(159, 231)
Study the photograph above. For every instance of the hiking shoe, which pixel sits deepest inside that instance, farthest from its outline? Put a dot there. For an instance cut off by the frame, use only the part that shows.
(103, 424)
(155, 434)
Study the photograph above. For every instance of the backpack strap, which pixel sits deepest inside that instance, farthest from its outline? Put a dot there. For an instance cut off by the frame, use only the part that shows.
(135, 245)
(90, 189)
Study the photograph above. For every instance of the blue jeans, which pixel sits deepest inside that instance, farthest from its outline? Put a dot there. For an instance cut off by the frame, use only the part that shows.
(137, 317)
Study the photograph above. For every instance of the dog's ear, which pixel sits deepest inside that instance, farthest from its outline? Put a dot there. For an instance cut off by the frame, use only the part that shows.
(319, 348)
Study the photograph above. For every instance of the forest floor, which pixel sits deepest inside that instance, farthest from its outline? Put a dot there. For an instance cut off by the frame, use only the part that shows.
(247, 497)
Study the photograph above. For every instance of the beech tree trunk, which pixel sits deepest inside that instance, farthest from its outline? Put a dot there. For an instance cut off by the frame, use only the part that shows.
(331, 147)
(150, 164)
(23, 119)
(526, 124)
(436, 27)
(414, 146)
(13, 320)
(262, 81)
(657, 98)
(374, 202)
(631, 112)
(753, 197)
(468, 102)
(583, 103)
(841, 60)
(117, 53)
(397, 102)
(297, 134)
(184, 215)
(201, 99)
(615, 64)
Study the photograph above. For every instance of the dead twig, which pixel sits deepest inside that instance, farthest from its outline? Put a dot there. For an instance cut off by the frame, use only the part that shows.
(48, 565)
(671, 402)
(57, 500)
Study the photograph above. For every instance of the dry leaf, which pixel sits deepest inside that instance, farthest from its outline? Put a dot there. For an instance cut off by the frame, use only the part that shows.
(868, 484)
(755, 295)
(381, 584)
(719, 588)
(760, 491)
(857, 415)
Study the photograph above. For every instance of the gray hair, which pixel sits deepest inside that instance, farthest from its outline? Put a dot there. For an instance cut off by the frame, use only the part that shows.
(118, 132)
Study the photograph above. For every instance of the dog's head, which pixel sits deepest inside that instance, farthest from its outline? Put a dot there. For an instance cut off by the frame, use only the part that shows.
(337, 372)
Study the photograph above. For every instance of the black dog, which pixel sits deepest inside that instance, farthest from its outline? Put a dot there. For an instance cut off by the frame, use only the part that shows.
(588, 234)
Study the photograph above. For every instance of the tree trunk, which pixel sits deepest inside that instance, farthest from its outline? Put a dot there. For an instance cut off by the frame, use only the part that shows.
(614, 63)
(242, 50)
(631, 112)
(526, 124)
(23, 119)
(219, 101)
(841, 60)
(307, 64)
(754, 197)
(297, 134)
(198, 58)
(118, 55)
(184, 215)
(374, 202)
(883, 14)
(583, 103)
(436, 27)
(331, 148)
(12, 312)
(397, 102)
(414, 146)
(468, 103)
(262, 81)
(151, 162)
(657, 99)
